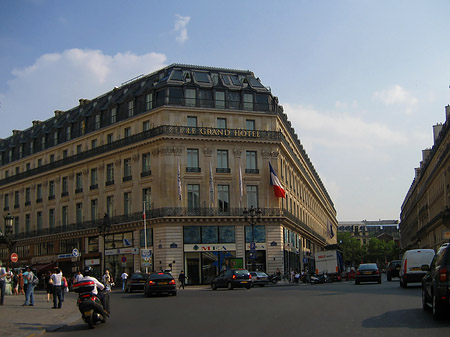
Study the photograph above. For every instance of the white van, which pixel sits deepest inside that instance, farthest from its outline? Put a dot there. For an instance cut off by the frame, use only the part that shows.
(412, 261)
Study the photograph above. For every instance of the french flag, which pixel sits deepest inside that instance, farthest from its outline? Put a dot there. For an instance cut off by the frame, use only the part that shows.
(275, 182)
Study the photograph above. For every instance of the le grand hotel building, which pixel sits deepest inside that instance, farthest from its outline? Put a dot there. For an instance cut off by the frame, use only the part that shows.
(192, 145)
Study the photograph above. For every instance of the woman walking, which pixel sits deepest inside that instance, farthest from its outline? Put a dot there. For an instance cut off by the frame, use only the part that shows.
(49, 285)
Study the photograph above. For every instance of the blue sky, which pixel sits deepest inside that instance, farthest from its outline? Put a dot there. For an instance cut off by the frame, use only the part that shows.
(362, 81)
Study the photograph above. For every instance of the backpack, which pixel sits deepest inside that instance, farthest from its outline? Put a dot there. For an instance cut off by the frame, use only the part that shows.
(35, 281)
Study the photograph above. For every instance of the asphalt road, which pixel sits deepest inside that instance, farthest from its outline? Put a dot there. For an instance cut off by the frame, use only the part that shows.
(337, 309)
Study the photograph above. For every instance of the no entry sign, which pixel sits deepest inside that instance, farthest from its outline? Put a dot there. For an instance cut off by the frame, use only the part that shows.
(14, 258)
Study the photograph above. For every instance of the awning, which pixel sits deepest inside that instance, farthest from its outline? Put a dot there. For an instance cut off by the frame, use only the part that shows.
(43, 267)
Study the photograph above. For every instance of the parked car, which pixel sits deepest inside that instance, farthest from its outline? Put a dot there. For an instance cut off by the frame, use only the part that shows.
(136, 282)
(259, 278)
(436, 283)
(412, 262)
(160, 283)
(367, 272)
(393, 269)
(232, 278)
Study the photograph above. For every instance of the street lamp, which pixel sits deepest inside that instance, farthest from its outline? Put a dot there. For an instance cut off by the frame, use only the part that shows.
(6, 237)
(103, 228)
(252, 216)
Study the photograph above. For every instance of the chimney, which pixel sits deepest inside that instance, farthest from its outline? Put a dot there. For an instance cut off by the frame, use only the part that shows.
(447, 113)
(16, 132)
(84, 101)
(436, 131)
(425, 154)
(58, 113)
(417, 171)
(36, 123)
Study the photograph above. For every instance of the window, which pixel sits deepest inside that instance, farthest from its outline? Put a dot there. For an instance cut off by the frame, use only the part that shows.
(55, 138)
(221, 123)
(127, 132)
(51, 218)
(79, 148)
(252, 196)
(110, 205)
(220, 99)
(93, 143)
(191, 234)
(65, 154)
(79, 182)
(262, 102)
(109, 138)
(127, 169)
(210, 234)
(39, 163)
(192, 160)
(39, 221)
(39, 193)
(97, 122)
(113, 115)
(27, 196)
(65, 216)
(227, 234)
(234, 99)
(248, 102)
(190, 97)
(16, 225)
(176, 96)
(68, 133)
(52, 158)
(205, 98)
(51, 190)
(64, 186)
(27, 223)
(145, 126)
(192, 121)
(6, 202)
(147, 198)
(146, 165)
(130, 109)
(79, 212)
(94, 209)
(251, 162)
(16, 199)
(250, 124)
(223, 192)
(193, 196)
(222, 161)
(109, 174)
(94, 183)
(149, 101)
(201, 77)
(255, 234)
(127, 203)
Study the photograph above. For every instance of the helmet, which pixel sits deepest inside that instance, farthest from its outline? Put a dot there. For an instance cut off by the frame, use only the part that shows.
(87, 271)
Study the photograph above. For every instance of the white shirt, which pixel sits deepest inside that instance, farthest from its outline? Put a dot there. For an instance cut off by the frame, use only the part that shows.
(57, 279)
(78, 277)
(124, 276)
(96, 283)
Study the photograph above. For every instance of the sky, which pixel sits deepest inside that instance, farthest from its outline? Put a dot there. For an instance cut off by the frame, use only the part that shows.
(362, 81)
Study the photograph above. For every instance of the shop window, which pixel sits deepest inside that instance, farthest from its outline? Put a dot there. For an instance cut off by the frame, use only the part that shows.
(149, 237)
(227, 234)
(191, 234)
(259, 232)
(210, 234)
(93, 244)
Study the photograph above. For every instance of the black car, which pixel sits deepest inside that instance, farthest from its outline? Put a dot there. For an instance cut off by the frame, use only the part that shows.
(436, 283)
(367, 272)
(136, 282)
(393, 269)
(160, 283)
(232, 278)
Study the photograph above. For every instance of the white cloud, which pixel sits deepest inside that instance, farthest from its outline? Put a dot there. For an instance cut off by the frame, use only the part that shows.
(56, 81)
(397, 95)
(180, 26)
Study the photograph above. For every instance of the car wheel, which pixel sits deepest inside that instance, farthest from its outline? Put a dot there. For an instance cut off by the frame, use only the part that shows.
(174, 293)
(130, 291)
(261, 285)
(379, 281)
(389, 278)
(147, 294)
(403, 283)
(248, 287)
(213, 286)
(437, 307)
(424, 300)
(229, 286)
(356, 282)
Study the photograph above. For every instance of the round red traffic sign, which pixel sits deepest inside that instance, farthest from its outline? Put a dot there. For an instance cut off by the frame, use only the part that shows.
(14, 257)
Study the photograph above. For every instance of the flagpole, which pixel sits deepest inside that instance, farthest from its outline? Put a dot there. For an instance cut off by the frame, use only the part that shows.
(145, 234)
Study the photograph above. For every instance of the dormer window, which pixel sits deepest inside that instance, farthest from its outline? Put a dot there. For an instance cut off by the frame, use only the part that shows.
(201, 77)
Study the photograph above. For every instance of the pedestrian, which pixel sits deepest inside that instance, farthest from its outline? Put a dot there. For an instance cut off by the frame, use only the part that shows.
(15, 283)
(64, 287)
(78, 276)
(8, 288)
(21, 283)
(49, 285)
(124, 277)
(182, 279)
(2, 283)
(108, 280)
(57, 288)
(28, 278)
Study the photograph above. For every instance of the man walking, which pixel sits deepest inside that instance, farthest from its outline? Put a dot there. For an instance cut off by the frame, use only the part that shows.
(124, 277)
(57, 288)
(2, 283)
(28, 277)
(182, 279)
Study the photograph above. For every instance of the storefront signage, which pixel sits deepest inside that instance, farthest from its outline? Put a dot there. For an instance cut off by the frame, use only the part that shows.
(215, 247)
(121, 251)
(220, 132)
(258, 246)
(92, 262)
(65, 256)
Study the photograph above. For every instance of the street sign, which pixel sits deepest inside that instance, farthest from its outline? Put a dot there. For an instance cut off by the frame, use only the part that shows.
(75, 252)
(124, 259)
(14, 258)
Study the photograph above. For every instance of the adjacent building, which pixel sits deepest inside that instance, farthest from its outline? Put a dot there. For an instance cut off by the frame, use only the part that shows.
(425, 212)
(363, 231)
(158, 173)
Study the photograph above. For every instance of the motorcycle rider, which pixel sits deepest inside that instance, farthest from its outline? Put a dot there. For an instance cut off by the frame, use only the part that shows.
(104, 297)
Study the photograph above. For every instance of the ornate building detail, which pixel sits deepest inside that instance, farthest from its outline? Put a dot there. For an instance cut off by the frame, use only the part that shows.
(117, 162)
(135, 157)
(237, 153)
(274, 154)
(155, 152)
(207, 151)
(265, 153)
(178, 151)
(101, 168)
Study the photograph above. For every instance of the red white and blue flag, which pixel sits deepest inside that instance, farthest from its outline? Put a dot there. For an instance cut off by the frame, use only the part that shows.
(276, 183)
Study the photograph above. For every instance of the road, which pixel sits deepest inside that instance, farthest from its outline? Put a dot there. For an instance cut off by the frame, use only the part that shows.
(339, 309)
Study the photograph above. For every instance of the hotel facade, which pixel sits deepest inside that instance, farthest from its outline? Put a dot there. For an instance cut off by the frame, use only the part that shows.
(157, 173)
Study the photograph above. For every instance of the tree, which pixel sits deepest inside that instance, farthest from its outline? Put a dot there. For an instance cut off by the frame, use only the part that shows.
(351, 248)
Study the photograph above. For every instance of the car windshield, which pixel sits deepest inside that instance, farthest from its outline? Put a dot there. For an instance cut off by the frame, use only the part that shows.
(367, 266)
(242, 272)
(160, 276)
(139, 276)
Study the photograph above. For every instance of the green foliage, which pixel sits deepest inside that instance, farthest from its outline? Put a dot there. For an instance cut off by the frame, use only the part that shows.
(351, 248)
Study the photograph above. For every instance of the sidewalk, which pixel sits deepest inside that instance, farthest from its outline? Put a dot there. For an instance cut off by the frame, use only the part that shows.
(19, 321)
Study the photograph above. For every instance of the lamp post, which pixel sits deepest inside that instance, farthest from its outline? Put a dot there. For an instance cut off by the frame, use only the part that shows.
(103, 229)
(252, 216)
(6, 236)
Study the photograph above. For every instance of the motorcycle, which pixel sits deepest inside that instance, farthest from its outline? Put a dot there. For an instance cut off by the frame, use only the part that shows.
(322, 278)
(89, 304)
(274, 278)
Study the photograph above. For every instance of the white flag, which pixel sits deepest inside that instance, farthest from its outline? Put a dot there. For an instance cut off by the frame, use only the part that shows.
(179, 181)
(211, 185)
